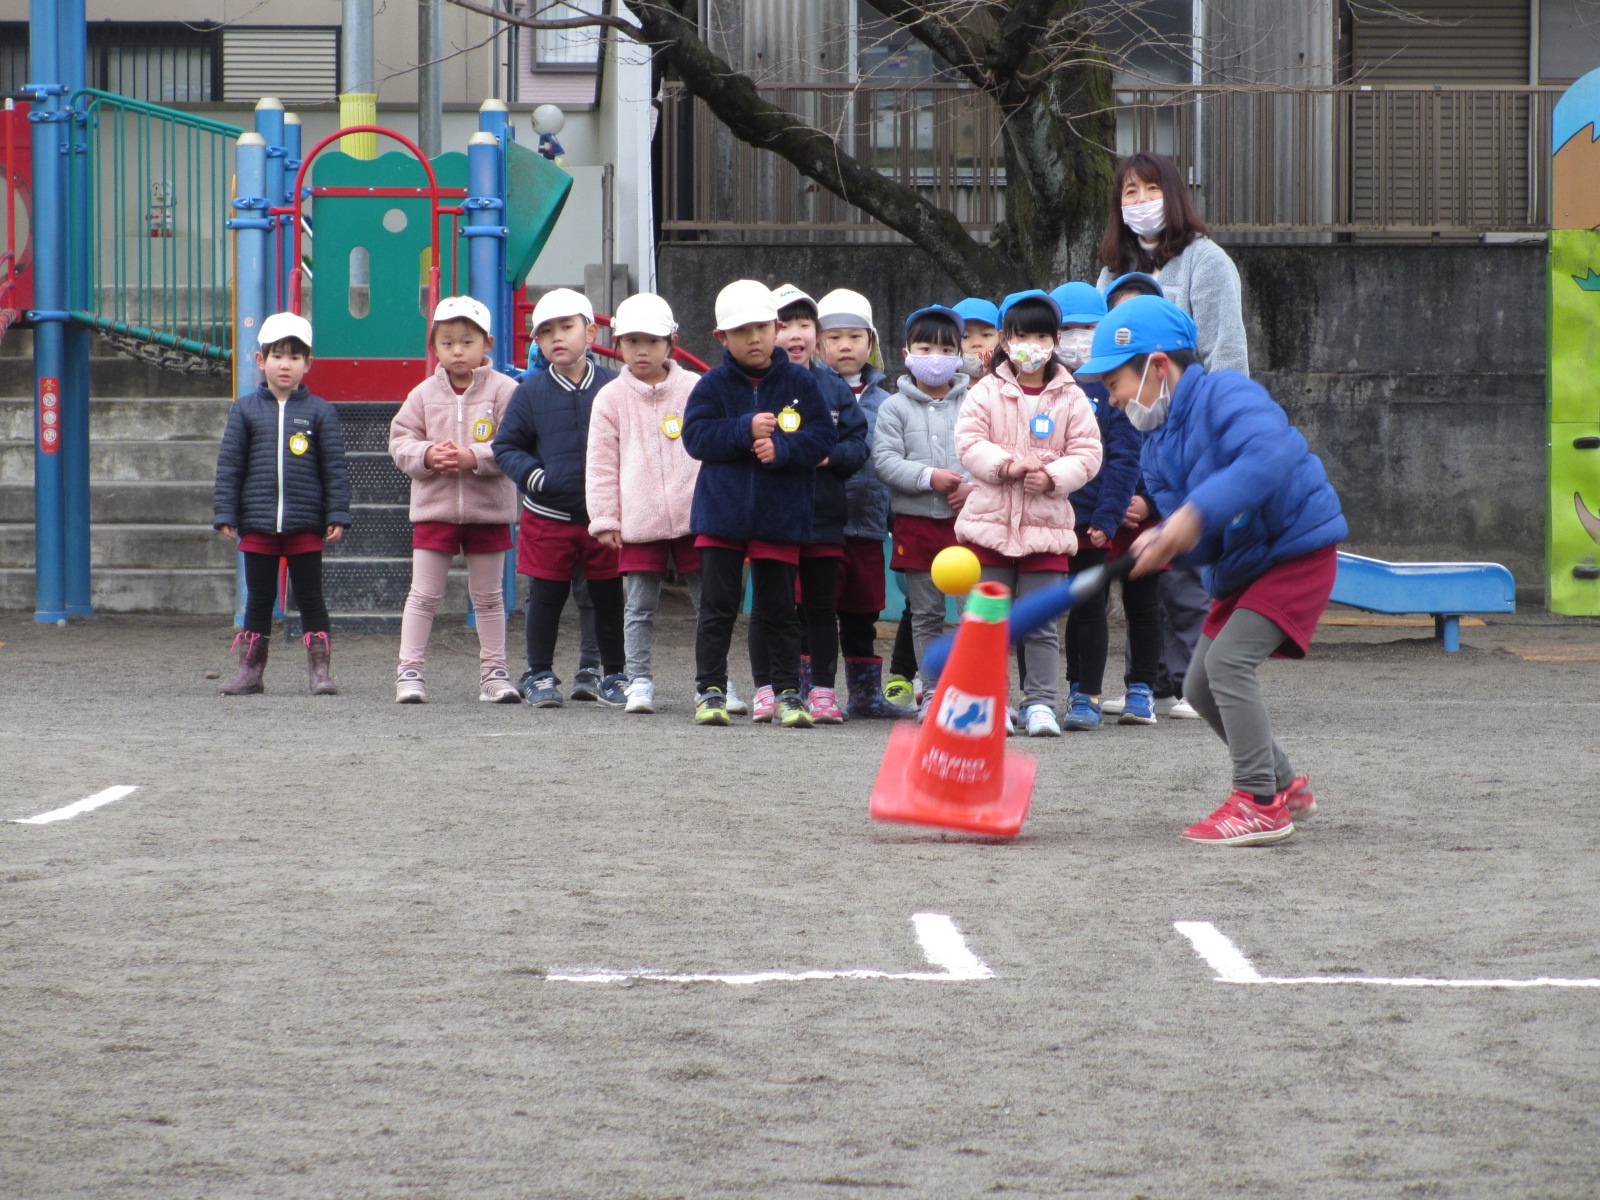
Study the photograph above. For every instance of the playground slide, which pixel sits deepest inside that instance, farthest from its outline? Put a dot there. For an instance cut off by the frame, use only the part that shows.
(1446, 590)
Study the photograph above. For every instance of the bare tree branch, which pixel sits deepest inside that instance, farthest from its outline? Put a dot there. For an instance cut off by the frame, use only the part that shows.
(593, 21)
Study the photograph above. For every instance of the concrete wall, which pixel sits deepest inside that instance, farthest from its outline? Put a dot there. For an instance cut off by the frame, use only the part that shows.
(1416, 372)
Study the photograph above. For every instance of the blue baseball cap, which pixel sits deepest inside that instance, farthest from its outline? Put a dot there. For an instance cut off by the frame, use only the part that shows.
(1142, 325)
(1080, 303)
(974, 309)
(1141, 277)
(1031, 294)
(943, 313)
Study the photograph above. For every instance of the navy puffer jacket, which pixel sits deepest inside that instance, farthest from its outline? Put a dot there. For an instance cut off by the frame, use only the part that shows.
(847, 457)
(869, 495)
(543, 442)
(738, 496)
(1103, 501)
(281, 467)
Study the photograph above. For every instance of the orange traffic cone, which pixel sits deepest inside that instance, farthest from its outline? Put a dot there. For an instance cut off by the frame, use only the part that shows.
(953, 770)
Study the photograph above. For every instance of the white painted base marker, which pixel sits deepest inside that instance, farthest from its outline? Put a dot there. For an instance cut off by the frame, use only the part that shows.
(941, 942)
(1232, 966)
(81, 806)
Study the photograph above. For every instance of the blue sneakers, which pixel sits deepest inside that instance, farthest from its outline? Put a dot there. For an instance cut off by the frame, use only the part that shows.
(613, 691)
(541, 691)
(586, 684)
(1139, 707)
(1083, 712)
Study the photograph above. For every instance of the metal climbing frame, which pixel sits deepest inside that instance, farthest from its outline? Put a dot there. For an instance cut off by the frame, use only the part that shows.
(154, 267)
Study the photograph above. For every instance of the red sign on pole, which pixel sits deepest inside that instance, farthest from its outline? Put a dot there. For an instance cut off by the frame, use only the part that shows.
(50, 415)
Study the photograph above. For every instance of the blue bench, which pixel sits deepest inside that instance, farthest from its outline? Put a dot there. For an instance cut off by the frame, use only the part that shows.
(1447, 591)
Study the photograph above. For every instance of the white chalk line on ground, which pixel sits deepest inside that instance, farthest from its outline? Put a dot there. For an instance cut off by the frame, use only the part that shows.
(942, 945)
(87, 804)
(1231, 966)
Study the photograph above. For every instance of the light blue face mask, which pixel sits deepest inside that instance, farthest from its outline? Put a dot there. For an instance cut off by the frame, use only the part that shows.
(1143, 417)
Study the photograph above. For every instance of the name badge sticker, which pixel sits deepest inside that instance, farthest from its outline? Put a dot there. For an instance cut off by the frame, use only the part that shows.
(672, 426)
(789, 419)
(299, 444)
(1043, 425)
(483, 429)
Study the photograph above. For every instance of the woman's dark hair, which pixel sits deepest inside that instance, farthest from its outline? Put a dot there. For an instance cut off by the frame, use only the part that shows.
(1033, 315)
(940, 331)
(288, 345)
(1120, 250)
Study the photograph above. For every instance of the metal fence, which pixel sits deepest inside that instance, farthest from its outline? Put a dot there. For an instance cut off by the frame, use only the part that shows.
(1403, 162)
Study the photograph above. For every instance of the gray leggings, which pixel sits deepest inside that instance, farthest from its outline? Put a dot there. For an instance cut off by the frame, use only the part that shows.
(1223, 688)
(641, 597)
(1041, 649)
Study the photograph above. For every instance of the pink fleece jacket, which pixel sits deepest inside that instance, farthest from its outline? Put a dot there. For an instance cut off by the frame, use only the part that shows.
(434, 413)
(640, 479)
(996, 427)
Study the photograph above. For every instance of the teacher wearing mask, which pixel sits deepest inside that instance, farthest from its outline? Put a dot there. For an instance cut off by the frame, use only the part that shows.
(1156, 229)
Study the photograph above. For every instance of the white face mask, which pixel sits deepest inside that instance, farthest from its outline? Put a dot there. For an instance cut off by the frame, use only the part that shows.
(1072, 347)
(1144, 418)
(1027, 358)
(973, 363)
(1147, 219)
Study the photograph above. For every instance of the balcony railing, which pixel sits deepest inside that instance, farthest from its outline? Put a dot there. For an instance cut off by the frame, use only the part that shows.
(1413, 162)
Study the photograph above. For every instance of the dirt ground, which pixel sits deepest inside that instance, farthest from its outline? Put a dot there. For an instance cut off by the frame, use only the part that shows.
(309, 956)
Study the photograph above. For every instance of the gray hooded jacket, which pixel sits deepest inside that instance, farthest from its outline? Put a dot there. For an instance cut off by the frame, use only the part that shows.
(916, 432)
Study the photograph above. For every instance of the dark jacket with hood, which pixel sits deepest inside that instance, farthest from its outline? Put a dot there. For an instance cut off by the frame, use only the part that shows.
(543, 442)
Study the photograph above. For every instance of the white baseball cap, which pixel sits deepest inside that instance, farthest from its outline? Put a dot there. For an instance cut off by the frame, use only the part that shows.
(745, 302)
(562, 302)
(645, 313)
(786, 294)
(844, 309)
(284, 325)
(463, 308)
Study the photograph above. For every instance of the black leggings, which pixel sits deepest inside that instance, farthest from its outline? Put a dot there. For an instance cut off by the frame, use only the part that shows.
(1088, 632)
(858, 634)
(819, 627)
(261, 591)
(721, 591)
(904, 662)
(546, 599)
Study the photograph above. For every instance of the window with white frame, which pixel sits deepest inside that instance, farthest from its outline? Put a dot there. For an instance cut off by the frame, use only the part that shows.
(565, 49)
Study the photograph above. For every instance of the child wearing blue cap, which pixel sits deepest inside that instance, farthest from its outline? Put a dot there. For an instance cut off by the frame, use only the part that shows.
(1101, 507)
(980, 334)
(1241, 494)
(1028, 439)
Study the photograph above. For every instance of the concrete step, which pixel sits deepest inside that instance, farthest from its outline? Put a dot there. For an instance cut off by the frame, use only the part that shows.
(191, 592)
(166, 418)
(114, 461)
(124, 503)
(114, 375)
(185, 547)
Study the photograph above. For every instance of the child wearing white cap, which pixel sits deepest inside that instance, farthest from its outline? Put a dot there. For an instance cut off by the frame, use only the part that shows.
(282, 489)
(542, 445)
(641, 479)
(460, 499)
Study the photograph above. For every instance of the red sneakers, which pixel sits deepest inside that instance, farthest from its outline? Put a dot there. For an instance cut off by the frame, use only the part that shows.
(1242, 822)
(1298, 799)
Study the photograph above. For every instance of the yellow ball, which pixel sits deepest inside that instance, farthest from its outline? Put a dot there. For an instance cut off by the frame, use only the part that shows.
(955, 570)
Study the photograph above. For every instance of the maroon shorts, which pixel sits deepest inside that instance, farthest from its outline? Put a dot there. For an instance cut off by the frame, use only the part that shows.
(918, 539)
(862, 585)
(651, 557)
(1028, 564)
(1292, 595)
(282, 544)
(786, 552)
(549, 549)
(448, 538)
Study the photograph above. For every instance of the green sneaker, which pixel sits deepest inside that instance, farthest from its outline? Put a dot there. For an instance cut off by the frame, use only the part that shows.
(712, 708)
(899, 690)
(792, 712)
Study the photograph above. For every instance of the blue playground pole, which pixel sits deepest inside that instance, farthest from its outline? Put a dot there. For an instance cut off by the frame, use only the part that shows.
(75, 338)
(291, 164)
(49, 294)
(253, 272)
(269, 124)
(486, 240)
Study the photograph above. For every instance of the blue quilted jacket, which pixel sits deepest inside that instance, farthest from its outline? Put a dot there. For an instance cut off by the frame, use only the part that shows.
(869, 495)
(738, 496)
(281, 466)
(543, 441)
(1229, 450)
(849, 453)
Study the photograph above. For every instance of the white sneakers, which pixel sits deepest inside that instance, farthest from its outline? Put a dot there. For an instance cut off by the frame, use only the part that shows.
(641, 695)
(1166, 706)
(409, 688)
(1040, 721)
